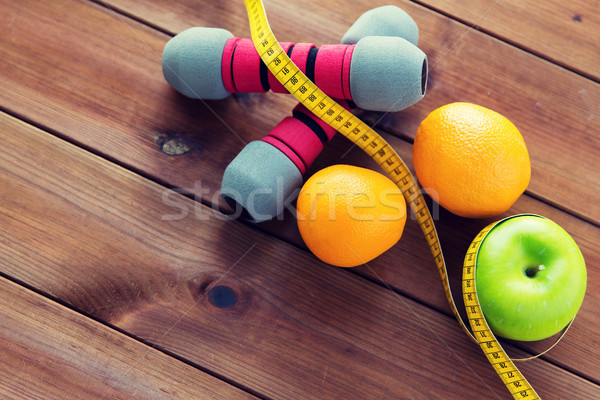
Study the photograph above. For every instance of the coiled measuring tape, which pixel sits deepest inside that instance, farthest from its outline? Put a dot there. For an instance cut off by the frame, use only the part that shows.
(346, 123)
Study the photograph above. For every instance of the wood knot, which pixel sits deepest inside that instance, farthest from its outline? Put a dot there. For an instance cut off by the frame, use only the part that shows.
(222, 296)
(172, 145)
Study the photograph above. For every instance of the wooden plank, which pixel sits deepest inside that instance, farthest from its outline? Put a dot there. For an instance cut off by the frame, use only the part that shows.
(51, 352)
(132, 131)
(95, 235)
(50, 79)
(567, 33)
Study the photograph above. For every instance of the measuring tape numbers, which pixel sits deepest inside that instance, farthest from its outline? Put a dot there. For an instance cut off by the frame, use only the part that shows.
(503, 365)
(346, 123)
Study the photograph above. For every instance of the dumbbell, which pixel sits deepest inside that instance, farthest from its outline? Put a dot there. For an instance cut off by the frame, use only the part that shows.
(377, 73)
(265, 175)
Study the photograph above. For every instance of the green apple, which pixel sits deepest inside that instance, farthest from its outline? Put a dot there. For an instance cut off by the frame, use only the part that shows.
(530, 278)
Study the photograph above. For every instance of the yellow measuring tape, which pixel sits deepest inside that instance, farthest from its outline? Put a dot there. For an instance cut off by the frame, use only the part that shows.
(346, 123)
(504, 366)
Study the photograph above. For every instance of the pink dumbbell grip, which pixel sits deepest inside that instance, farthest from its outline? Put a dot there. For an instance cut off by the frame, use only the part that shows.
(301, 137)
(328, 67)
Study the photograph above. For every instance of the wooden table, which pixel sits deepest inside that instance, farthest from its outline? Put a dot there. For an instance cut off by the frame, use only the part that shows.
(121, 279)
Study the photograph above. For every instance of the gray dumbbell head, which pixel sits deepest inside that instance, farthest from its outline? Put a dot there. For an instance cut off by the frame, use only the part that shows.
(191, 62)
(387, 74)
(383, 21)
(259, 181)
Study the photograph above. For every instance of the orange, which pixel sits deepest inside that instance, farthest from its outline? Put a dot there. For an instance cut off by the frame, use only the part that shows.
(471, 160)
(349, 215)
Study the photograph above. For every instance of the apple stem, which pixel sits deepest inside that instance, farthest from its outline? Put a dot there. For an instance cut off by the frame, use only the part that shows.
(532, 271)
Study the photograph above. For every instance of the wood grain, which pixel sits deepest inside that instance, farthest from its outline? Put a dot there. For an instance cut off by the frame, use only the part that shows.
(297, 328)
(164, 268)
(47, 80)
(567, 33)
(51, 352)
